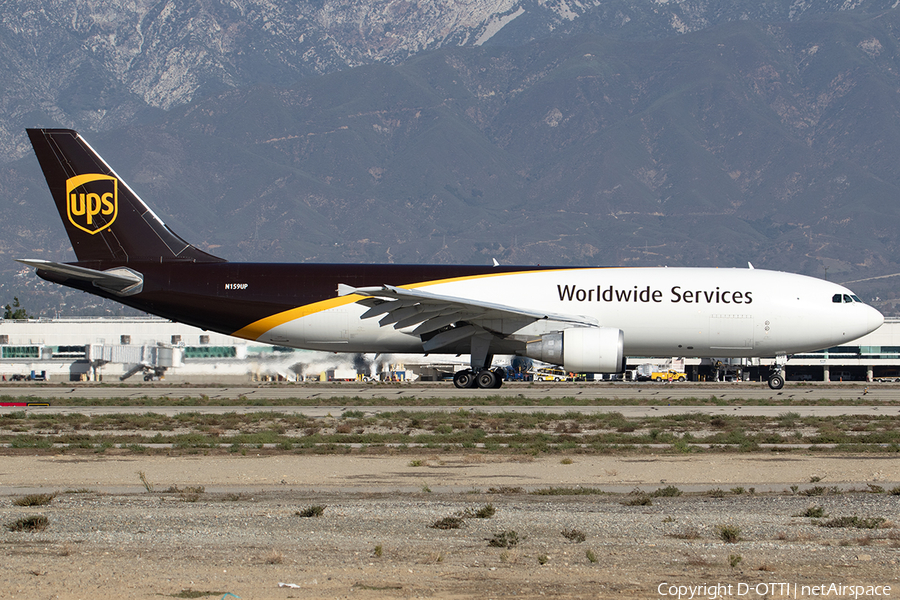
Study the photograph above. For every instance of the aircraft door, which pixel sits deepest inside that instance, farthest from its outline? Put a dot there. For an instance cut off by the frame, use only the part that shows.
(731, 332)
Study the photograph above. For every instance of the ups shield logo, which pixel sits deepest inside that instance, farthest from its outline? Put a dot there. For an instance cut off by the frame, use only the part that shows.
(92, 201)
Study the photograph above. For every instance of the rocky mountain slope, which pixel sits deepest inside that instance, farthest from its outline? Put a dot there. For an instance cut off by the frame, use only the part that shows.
(710, 135)
(99, 64)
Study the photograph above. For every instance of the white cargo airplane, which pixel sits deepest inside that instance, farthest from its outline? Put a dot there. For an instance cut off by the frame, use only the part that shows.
(583, 319)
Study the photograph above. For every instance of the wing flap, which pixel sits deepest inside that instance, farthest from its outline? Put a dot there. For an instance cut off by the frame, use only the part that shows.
(437, 322)
(403, 307)
(457, 334)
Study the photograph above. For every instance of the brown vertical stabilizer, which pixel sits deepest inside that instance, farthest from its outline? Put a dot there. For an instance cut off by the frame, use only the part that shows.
(104, 218)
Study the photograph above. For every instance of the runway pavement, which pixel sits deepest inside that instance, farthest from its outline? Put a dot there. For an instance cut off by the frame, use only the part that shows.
(874, 393)
(743, 399)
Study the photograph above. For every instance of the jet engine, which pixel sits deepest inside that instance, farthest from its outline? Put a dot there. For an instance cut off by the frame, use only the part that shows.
(581, 349)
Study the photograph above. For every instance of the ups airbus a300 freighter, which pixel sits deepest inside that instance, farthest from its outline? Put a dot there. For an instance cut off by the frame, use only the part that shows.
(583, 319)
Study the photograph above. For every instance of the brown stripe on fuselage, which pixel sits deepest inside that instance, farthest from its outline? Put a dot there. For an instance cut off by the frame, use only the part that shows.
(264, 295)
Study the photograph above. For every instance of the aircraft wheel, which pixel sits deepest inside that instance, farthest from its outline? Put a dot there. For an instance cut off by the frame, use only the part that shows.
(498, 372)
(464, 379)
(486, 379)
(776, 382)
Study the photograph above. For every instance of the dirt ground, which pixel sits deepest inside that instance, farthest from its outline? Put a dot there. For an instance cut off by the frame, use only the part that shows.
(132, 526)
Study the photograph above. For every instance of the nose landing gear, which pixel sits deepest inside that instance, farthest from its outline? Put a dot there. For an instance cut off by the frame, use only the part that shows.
(776, 374)
(776, 380)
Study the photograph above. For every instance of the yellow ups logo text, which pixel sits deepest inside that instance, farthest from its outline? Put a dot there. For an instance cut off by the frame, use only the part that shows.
(92, 201)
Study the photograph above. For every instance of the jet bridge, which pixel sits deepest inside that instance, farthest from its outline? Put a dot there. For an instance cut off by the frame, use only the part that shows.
(152, 361)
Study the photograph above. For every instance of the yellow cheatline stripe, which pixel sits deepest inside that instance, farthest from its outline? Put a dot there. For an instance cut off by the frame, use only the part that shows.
(254, 330)
(257, 328)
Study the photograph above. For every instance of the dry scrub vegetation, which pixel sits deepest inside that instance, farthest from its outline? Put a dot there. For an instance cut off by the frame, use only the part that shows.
(374, 431)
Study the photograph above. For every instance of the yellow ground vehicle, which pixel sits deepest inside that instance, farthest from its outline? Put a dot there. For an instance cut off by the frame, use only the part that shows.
(551, 375)
(668, 376)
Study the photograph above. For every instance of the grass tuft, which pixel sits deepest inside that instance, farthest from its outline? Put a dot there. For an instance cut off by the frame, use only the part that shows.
(565, 491)
(506, 489)
(730, 534)
(189, 593)
(316, 510)
(638, 499)
(813, 512)
(506, 539)
(31, 523)
(856, 522)
(448, 523)
(574, 535)
(34, 500)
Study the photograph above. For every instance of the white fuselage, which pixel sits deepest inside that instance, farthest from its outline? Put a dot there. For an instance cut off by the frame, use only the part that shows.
(698, 312)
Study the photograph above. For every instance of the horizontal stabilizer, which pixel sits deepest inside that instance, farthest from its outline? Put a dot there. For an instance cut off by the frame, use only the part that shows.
(121, 281)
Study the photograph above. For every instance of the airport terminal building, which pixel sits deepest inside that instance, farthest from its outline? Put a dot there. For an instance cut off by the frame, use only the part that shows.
(146, 348)
(133, 348)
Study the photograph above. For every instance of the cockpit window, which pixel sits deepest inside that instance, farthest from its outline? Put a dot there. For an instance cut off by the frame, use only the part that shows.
(844, 298)
(856, 298)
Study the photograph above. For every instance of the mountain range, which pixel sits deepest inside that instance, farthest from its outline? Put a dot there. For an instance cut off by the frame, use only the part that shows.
(534, 132)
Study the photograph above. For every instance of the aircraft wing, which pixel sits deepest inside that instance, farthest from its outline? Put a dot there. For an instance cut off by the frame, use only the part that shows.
(403, 307)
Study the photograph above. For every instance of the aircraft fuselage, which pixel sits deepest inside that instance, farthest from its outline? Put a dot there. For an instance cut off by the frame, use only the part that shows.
(662, 311)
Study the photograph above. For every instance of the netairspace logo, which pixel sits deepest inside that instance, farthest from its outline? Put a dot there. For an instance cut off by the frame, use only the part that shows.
(722, 591)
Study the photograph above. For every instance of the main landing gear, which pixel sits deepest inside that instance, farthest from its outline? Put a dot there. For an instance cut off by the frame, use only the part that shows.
(480, 374)
(484, 379)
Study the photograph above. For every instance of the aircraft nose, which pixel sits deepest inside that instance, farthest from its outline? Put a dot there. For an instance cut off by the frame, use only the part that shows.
(874, 319)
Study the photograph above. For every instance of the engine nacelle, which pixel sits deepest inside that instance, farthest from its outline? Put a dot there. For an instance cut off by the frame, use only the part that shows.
(581, 349)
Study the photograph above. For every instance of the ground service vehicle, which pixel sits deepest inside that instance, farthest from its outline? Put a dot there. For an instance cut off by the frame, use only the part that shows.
(550, 375)
(668, 376)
